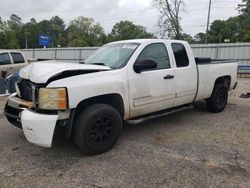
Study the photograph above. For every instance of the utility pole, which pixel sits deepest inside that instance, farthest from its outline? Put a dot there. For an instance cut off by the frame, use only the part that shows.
(26, 41)
(208, 20)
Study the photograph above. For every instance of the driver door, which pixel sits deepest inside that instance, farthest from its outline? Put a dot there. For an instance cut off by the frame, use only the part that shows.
(152, 90)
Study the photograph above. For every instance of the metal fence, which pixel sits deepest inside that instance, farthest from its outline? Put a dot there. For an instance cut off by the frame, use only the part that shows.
(237, 51)
(64, 54)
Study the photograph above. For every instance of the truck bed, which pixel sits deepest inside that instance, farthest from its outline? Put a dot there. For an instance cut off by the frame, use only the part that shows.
(210, 71)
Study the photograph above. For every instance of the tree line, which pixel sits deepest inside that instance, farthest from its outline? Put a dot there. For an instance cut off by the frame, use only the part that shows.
(80, 32)
(84, 31)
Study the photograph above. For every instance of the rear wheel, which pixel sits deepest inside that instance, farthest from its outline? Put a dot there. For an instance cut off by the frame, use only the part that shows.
(218, 101)
(98, 128)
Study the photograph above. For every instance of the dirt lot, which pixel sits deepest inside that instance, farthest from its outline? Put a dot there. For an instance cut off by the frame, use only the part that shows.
(189, 149)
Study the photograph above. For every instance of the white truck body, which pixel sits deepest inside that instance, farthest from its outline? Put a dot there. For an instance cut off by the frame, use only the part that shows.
(140, 93)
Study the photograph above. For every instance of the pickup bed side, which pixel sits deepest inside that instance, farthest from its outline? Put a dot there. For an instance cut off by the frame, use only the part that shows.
(209, 74)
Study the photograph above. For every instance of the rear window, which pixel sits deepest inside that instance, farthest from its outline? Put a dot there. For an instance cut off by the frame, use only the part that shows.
(17, 57)
(180, 54)
(4, 59)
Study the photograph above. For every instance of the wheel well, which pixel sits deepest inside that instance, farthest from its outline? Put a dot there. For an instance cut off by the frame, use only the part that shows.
(114, 100)
(226, 80)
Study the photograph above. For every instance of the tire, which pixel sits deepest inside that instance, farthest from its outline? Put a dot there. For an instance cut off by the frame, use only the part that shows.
(218, 101)
(97, 129)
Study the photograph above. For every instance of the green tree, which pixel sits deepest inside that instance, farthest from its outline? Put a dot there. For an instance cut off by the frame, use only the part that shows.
(13, 34)
(83, 32)
(2, 34)
(188, 38)
(57, 31)
(124, 30)
(200, 37)
(31, 31)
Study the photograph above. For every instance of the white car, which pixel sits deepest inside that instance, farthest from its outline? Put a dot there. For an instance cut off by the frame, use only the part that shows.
(121, 81)
(10, 63)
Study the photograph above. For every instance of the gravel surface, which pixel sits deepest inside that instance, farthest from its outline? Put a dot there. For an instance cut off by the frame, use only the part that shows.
(192, 148)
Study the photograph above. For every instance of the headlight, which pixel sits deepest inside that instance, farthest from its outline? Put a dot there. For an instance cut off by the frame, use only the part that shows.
(52, 99)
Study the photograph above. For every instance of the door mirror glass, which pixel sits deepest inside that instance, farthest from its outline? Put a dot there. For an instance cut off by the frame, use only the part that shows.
(144, 65)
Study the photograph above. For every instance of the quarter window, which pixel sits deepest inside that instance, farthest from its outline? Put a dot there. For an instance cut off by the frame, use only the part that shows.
(158, 53)
(180, 54)
(17, 57)
(4, 59)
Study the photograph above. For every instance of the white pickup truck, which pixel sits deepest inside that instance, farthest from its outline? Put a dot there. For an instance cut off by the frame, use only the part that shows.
(121, 81)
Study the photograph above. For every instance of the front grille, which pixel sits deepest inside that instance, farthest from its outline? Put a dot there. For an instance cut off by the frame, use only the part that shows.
(25, 88)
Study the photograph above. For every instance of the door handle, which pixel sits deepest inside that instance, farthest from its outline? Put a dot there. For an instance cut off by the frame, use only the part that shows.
(168, 77)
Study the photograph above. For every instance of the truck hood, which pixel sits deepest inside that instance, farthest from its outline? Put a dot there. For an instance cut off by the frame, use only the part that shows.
(48, 71)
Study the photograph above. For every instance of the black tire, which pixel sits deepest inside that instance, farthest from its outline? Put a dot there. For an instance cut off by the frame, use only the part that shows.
(97, 129)
(218, 101)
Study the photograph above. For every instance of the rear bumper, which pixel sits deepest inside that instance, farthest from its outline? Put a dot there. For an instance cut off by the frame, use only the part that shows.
(38, 128)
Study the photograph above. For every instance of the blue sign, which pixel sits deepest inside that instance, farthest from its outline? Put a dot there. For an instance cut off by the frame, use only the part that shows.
(44, 40)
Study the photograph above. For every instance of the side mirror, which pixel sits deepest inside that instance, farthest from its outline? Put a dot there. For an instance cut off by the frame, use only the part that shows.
(145, 64)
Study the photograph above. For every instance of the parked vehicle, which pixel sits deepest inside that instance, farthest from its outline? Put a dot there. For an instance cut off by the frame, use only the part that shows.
(121, 81)
(10, 63)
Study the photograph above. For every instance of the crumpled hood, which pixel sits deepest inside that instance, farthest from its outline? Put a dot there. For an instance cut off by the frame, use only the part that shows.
(41, 72)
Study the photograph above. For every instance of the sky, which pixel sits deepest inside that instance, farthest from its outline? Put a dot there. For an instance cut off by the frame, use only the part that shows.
(109, 12)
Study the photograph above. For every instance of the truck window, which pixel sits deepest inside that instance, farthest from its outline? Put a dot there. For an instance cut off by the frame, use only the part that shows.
(17, 58)
(180, 54)
(158, 53)
(4, 59)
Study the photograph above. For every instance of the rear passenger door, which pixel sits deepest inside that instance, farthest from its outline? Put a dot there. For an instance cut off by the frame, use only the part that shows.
(186, 74)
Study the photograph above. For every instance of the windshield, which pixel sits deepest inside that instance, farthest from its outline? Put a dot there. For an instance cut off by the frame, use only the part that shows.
(114, 56)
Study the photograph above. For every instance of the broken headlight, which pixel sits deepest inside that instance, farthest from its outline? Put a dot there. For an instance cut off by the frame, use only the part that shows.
(52, 99)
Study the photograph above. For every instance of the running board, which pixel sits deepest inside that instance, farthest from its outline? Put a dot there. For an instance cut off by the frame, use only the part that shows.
(160, 114)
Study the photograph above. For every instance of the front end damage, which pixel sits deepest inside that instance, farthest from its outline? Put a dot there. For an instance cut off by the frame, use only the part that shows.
(38, 109)
(22, 110)
(38, 126)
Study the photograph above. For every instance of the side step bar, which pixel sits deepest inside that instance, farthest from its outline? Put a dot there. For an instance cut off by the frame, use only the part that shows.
(160, 114)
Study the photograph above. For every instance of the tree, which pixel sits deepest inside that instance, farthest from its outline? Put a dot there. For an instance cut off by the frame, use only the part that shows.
(57, 30)
(187, 38)
(200, 37)
(13, 33)
(245, 8)
(2, 34)
(84, 31)
(31, 31)
(169, 21)
(125, 30)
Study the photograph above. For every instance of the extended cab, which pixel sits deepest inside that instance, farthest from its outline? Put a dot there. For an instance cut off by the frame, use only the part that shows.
(10, 63)
(124, 80)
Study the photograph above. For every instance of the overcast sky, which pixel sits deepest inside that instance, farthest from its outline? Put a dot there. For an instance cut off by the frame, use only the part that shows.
(108, 12)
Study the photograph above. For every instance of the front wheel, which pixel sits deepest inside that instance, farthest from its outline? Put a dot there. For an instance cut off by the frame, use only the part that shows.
(98, 128)
(218, 101)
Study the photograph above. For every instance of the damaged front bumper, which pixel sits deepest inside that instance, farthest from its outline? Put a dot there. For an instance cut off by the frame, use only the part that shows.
(38, 128)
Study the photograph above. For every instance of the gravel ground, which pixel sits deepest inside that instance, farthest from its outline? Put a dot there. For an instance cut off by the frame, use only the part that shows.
(192, 148)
